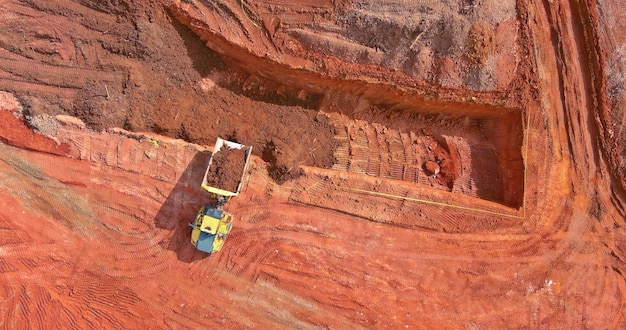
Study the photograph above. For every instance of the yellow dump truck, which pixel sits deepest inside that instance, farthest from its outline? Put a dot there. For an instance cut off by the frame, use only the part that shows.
(212, 224)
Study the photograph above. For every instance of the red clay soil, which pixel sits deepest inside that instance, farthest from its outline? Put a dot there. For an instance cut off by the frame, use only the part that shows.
(610, 23)
(132, 65)
(338, 224)
(226, 169)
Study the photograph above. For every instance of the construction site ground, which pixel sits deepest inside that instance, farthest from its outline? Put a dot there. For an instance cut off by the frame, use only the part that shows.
(415, 165)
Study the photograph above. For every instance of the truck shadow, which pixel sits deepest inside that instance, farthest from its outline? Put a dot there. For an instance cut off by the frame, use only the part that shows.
(180, 208)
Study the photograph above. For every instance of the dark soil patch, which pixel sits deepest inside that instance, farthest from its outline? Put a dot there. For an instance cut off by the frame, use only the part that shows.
(227, 169)
(142, 70)
(431, 168)
(277, 170)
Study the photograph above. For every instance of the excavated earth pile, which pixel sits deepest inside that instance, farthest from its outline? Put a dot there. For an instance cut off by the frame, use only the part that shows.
(226, 168)
(421, 164)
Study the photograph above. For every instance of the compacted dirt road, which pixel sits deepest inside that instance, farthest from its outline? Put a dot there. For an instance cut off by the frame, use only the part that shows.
(453, 165)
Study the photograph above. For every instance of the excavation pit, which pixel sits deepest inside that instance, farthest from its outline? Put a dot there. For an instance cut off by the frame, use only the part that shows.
(477, 155)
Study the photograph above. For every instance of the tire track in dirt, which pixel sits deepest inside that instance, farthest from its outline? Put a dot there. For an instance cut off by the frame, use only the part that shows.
(61, 77)
(41, 301)
(23, 62)
(30, 260)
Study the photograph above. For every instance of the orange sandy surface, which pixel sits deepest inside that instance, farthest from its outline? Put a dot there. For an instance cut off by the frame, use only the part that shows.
(524, 228)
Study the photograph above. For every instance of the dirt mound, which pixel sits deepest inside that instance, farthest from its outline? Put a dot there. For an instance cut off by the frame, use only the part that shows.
(226, 169)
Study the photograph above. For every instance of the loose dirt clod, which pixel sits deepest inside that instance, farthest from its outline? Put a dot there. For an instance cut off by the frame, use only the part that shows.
(226, 169)
(480, 43)
(44, 123)
(431, 168)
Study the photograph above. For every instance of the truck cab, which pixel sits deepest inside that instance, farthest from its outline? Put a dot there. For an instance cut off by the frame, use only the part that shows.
(210, 229)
